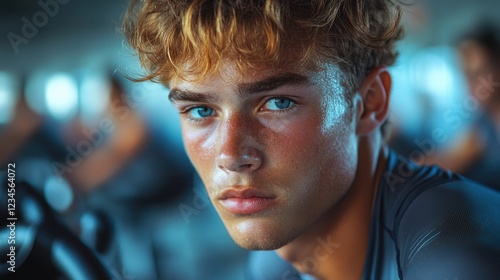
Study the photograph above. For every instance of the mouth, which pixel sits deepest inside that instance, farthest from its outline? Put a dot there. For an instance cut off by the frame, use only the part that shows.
(246, 201)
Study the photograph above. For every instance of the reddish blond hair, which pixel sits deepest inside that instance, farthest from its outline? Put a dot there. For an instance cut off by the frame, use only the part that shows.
(357, 35)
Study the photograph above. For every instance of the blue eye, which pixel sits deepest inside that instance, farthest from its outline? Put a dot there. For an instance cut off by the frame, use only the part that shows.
(200, 112)
(279, 103)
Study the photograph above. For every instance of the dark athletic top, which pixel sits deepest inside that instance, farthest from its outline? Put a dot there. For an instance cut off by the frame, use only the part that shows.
(427, 224)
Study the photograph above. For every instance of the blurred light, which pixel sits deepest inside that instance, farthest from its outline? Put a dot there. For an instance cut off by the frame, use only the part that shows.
(35, 92)
(8, 97)
(438, 79)
(94, 97)
(434, 72)
(89, 227)
(58, 193)
(89, 222)
(61, 96)
(426, 83)
(70, 261)
(33, 212)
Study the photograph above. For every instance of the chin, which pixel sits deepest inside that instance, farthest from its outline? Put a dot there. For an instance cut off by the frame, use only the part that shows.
(259, 245)
(254, 244)
(255, 234)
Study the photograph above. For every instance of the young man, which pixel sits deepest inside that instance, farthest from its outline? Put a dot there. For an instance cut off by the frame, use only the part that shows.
(282, 104)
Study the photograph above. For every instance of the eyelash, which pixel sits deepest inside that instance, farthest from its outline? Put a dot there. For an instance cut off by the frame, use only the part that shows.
(294, 105)
(184, 112)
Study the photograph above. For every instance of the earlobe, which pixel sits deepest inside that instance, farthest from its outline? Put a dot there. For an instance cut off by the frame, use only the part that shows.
(375, 93)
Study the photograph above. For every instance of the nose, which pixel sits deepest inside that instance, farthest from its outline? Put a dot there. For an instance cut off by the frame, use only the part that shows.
(237, 149)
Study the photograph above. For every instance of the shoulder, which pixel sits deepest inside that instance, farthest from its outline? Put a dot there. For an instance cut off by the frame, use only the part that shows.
(450, 231)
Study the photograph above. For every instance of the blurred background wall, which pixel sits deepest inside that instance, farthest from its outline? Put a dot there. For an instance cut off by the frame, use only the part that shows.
(106, 155)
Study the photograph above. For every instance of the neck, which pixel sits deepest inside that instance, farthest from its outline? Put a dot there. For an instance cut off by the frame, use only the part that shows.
(335, 246)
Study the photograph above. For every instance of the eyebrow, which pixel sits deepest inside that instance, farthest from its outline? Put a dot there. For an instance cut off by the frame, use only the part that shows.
(176, 95)
(268, 84)
(272, 83)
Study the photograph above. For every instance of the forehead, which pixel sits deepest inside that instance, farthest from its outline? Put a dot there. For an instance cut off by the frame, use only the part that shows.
(229, 76)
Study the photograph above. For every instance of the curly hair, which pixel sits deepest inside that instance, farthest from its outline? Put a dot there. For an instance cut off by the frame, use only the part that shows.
(168, 35)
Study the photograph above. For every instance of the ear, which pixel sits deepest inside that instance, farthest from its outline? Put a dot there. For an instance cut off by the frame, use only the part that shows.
(375, 94)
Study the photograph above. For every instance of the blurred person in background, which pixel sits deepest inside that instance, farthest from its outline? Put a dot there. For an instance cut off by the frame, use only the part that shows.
(120, 153)
(115, 140)
(129, 171)
(28, 134)
(15, 134)
(477, 153)
(118, 169)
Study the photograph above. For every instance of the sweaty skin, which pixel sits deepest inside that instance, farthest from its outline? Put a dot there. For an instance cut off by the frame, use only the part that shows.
(292, 136)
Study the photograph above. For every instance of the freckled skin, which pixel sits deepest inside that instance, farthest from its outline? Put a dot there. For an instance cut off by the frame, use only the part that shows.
(305, 156)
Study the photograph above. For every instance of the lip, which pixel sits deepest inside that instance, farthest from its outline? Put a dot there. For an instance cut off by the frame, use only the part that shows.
(246, 201)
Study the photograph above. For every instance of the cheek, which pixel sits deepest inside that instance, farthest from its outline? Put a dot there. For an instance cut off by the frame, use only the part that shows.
(316, 165)
(199, 145)
(305, 147)
(320, 131)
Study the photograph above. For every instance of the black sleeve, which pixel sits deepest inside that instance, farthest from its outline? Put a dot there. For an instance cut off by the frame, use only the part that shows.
(450, 232)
